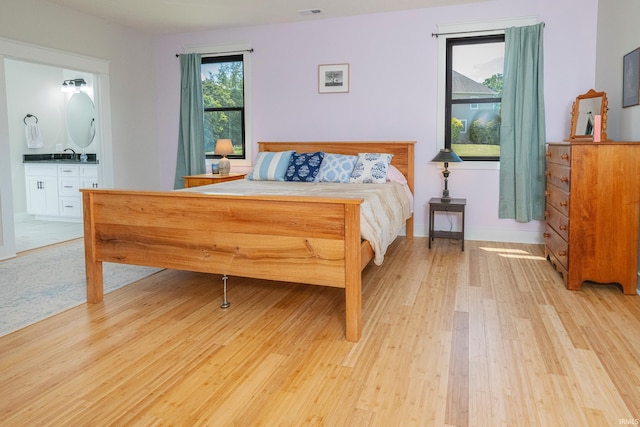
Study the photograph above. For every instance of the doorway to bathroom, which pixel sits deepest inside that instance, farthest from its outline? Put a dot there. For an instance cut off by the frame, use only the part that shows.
(37, 93)
(41, 123)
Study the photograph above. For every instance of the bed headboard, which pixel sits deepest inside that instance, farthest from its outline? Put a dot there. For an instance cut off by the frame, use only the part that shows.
(403, 151)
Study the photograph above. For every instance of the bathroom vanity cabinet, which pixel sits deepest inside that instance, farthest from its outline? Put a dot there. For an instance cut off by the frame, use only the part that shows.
(53, 190)
(42, 189)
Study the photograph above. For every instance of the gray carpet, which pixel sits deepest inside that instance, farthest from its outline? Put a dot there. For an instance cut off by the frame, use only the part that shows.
(46, 282)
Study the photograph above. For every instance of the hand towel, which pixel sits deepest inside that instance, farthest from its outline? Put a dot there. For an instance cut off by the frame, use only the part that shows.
(34, 139)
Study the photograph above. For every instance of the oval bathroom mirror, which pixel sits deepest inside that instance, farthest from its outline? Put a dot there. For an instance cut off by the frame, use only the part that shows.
(81, 122)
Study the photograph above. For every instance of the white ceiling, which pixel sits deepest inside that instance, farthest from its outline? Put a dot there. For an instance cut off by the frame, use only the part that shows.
(177, 16)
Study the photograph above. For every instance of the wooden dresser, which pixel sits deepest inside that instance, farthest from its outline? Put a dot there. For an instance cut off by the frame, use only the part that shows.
(592, 213)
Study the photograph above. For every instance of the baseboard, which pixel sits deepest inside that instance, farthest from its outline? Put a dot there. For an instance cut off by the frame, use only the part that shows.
(492, 235)
(510, 236)
(21, 217)
(57, 218)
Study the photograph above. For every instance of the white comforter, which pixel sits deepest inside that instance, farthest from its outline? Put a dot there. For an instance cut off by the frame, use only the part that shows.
(383, 212)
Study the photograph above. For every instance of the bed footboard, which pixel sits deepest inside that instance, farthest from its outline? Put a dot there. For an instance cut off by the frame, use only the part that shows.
(294, 239)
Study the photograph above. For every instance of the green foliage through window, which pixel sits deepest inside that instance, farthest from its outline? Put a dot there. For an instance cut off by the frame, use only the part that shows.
(473, 96)
(456, 128)
(223, 96)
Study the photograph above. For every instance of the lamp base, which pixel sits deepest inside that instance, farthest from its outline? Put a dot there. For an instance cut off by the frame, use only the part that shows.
(445, 193)
(224, 166)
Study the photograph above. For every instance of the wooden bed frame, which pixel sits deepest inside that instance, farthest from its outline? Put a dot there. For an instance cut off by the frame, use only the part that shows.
(295, 239)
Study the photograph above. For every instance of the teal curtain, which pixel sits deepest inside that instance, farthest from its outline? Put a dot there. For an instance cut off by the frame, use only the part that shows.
(522, 132)
(191, 157)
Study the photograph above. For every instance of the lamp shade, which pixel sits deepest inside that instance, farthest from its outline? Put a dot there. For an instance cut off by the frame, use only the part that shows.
(446, 155)
(223, 147)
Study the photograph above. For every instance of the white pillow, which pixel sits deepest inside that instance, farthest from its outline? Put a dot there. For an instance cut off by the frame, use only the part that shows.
(270, 166)
(336, 168)
(371, 168)
(394, 175)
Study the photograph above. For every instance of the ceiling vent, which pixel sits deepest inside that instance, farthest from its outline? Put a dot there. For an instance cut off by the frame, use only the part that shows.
(309, 12)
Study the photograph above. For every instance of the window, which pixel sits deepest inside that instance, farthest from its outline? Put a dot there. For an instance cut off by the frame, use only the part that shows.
(223, 90)
(473, 94)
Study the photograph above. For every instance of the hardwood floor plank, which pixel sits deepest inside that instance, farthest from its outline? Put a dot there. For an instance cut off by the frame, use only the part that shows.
(457, 412)
(485, 337)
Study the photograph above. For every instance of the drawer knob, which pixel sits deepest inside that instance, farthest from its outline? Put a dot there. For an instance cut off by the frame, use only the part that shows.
(547, 173)
(564, 156)
(546, 235)
(563, 227)
(547, 193)
(546, 214)
(548, 154)
(562, 253)
(564, 203)
(564, 179)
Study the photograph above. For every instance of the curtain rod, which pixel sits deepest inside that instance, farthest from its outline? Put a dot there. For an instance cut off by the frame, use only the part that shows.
(473, 31)
(218, 53)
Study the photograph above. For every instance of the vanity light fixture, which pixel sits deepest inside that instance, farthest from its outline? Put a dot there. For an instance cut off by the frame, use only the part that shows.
(445, 156)
(224, 147)
(73, 85)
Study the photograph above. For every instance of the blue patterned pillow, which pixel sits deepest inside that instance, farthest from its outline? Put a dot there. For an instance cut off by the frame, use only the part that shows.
(371, 168)
(270, 166)
(336, 168)
(303, 167)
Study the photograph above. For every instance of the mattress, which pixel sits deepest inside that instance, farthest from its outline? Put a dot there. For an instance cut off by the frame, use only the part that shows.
(383, 212)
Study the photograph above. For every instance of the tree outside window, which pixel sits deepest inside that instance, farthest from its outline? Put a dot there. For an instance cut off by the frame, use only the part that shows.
(223, 96)
(473, 96)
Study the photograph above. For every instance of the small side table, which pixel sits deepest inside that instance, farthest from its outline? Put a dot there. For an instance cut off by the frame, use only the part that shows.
(210, 178)
(437, 205)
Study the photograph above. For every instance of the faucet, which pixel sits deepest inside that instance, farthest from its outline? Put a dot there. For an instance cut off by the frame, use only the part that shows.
(73, 151)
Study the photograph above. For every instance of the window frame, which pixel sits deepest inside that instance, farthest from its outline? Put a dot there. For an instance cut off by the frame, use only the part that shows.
(244, 50)
(476, 28)
(474, 102)
(222, 58)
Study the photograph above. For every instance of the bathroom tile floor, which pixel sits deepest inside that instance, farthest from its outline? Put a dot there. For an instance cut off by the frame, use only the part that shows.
(35, 233)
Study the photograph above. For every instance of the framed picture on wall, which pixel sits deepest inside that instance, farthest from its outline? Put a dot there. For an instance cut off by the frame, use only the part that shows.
(631, 79)
(333, 78)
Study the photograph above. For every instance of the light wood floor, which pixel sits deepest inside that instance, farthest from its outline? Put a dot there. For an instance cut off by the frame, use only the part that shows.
(485, 337)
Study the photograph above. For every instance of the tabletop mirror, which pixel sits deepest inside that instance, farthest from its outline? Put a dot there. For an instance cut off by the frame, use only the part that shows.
(583, 113)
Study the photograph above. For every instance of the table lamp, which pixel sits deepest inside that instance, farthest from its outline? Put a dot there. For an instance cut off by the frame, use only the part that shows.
(445, 156)
(223, 148)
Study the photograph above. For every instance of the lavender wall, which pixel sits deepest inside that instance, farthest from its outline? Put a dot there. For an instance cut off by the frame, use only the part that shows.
(394, 67)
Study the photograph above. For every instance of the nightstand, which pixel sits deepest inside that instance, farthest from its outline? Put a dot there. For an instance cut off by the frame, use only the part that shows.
(209, 178)
(437, 205)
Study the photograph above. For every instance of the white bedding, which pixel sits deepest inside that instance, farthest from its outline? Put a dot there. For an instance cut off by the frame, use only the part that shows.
(385, 208)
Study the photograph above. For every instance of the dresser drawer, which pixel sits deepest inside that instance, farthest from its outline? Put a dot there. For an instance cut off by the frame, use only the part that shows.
(89, 171)
(558, 221)
(68, 170)
(558, 199)
(559, 175)
(556, 245)
(559, 154)
(71, 207)
(68, 186)
(40, 170)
